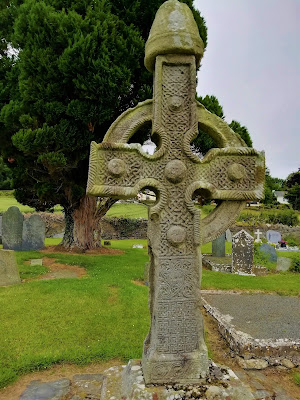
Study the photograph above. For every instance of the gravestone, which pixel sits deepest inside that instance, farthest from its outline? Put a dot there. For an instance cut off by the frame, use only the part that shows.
(12, 229)
(269, 251)
(273, 236)
(9, 273)
(242, 253)
(228, 235)
(218, 246)
(258, 233)
(33, 233)
(283, 263)
(0, 229)
(174, 350)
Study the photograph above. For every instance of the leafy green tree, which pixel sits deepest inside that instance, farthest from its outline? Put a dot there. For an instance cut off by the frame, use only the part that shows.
(242, 131)
(79, 64)
(293, 190)
(271, 184)
(203, 142)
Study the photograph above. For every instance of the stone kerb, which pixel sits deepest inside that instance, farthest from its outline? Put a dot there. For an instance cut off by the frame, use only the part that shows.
(33, 237)
(9, 273)
(269, 351)
(12, 229)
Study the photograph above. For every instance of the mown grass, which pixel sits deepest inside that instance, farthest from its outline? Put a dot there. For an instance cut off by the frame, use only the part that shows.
(7, 200)
(99, 317)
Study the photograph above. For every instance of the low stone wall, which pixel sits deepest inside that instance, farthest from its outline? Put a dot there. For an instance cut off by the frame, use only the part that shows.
(125, 228)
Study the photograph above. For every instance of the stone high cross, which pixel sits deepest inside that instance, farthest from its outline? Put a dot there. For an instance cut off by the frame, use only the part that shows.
(174, 350)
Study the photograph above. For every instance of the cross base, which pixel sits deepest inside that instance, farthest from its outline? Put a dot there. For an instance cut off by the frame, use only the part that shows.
(171, 369)
(220, 382)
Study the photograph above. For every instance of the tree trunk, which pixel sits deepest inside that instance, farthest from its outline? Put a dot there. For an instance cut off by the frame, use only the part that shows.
(83, 225)
(68, 238)
(86, 224)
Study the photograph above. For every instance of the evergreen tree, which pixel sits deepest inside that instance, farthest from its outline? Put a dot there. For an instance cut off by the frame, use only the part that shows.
(79, 65)
(293, 190)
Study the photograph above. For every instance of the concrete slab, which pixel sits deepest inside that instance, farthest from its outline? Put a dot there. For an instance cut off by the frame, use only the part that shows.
(264, 326)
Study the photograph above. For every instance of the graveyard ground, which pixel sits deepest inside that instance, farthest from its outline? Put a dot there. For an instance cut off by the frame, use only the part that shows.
(58, 321)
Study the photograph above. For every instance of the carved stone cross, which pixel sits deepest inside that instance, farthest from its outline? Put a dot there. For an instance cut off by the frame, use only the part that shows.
(174, 350)
(258, 233)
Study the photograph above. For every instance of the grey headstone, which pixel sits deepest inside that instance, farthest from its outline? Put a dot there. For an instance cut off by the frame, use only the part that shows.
(242, 253)
(218, 246)
(47, 391)
(273, 236)
(12, 228)
(9, 273)
(283, 263)
(228, 235)
(33, 233)
(0, 229)
(269, 250)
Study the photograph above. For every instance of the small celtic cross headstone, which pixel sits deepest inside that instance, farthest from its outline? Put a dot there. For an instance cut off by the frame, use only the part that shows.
(174, 350)
(258, 233)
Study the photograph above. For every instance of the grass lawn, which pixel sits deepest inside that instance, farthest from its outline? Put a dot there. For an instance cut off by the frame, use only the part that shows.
(7, 200)
(98, 317)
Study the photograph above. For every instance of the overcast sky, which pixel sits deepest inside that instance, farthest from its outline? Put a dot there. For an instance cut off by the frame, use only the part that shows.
(252, 65)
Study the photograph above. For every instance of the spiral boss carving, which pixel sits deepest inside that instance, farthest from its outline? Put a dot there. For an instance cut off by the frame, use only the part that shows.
(174, 350)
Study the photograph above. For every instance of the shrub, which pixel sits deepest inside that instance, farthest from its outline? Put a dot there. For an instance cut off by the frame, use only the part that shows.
(297, 378)
(295, 267)
(284, 217)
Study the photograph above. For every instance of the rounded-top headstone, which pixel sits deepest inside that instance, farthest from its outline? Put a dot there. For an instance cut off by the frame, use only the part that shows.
(12, 229)
(174, 31)
(33, 233)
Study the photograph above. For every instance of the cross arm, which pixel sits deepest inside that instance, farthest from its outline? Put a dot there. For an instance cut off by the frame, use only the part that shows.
(232, 173)
(121, 170)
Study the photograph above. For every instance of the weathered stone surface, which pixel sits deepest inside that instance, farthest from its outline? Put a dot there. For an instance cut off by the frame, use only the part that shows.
(273, 236)
(12, 229)
(46, 391)
(9, 273)
(174, 350)
(287, 363)
(88, 386)
(33, 233)
(242, 253)
(254, 363)
(218, 246)
(269, 250)
(283, 263)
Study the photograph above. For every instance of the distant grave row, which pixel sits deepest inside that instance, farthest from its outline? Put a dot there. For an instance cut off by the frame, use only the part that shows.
(22, 234)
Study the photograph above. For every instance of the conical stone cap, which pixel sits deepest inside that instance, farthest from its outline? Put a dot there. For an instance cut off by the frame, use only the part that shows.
(174, 31)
